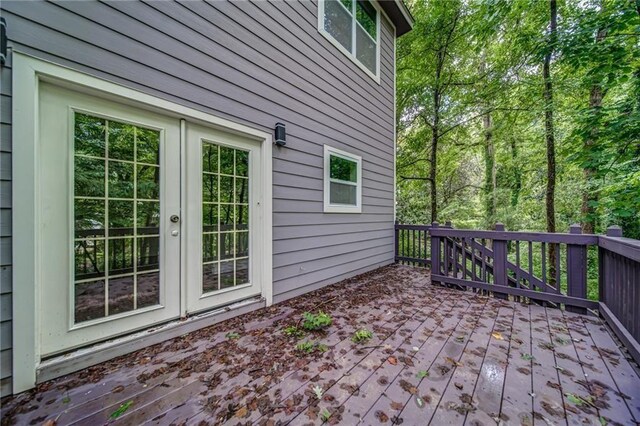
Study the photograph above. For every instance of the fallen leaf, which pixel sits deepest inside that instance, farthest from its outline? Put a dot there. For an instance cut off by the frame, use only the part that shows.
(50, 422)
(397, 405)
(419, 402)
(453, 361)
(382, 417)
(242, 412)
(422, 374)
(392, 360)
(117, 389)
(497, 336)
(121, 410)
(574, 398)
(458, 385)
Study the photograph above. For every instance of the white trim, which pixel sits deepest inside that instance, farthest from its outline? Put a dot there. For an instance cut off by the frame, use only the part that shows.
(395, 129)
(341, 208)
(27, 72)
(341, 48)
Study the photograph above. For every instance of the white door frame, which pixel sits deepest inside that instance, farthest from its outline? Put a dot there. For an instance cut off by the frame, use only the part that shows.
(26, 75)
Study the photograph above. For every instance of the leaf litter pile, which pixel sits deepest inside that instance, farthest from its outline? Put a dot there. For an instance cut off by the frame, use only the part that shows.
(316, 359)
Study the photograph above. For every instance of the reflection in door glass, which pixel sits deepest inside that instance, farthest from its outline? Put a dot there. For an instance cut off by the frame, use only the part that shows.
(116, 216)
(225, 217)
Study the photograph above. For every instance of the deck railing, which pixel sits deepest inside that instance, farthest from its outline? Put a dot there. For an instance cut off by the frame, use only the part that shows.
(575, 271)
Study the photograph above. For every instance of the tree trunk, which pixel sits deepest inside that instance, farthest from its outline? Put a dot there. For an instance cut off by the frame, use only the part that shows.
(490, 171)
(434, 156)
(550, 136)
(517, 175)
(590, 195)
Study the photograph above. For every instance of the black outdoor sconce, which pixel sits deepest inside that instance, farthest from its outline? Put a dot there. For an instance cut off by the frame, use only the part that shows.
(3, 41)
(280, 134)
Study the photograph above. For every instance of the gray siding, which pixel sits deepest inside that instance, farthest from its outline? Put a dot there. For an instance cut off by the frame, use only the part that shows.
(5, 229)
(255, 63)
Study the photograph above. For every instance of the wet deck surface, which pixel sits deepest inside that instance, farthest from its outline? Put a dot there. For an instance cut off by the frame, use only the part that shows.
(438, 356)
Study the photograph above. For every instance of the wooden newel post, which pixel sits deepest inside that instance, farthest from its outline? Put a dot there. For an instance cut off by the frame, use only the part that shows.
(500, 277)
(605, 271)
(435, 254)
(614, 231)
(396, 242)
(576, 270)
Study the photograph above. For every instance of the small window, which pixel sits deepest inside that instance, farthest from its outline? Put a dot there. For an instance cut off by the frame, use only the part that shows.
(342, 181)
(353, 26)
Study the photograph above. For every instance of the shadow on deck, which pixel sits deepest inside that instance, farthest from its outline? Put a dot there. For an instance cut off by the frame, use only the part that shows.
(438, 356)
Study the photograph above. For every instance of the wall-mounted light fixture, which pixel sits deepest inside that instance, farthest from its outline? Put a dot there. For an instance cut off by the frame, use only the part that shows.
(280, 135)
(3, 41)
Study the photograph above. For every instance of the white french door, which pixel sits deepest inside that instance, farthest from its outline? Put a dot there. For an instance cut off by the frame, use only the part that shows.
(109, 197)
(117, 222)
(223, 242)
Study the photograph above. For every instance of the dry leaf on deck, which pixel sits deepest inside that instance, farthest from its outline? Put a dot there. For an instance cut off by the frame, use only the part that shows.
(453, 361)
(393, 360)
(497, 335)
(242, 412)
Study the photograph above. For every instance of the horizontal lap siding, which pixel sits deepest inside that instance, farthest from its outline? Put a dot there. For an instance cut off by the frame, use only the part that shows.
(255, 63)
(5, 230)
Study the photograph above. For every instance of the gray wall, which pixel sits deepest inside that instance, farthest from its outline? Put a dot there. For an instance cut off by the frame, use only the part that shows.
(5, 229)
(255, 63)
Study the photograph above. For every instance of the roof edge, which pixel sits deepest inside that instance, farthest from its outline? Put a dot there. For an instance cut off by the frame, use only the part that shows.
(399, 14)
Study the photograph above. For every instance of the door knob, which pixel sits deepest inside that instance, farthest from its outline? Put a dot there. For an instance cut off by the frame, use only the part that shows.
(174, 218)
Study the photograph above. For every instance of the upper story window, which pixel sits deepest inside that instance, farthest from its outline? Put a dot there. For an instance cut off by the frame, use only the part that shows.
(342, 181)
(354, 27)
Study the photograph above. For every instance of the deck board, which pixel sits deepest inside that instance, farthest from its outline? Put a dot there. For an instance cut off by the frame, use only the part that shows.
(488, 361)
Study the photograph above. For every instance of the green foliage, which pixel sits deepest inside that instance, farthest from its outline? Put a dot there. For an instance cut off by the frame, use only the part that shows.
(232, 335)
(309, 347)
(313, 322)
(422, 374)
(491, 54)
(325, 415)
(362, 335)
(121, 410)
(293, 331)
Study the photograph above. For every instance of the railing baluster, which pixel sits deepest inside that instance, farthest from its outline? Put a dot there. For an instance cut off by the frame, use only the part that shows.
(558, 269)
(544, 266)
(517, 264)
(473, 259)
(530, 255)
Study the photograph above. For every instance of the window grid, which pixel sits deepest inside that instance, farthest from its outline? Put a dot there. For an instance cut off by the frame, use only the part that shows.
(216, 235)
(106, 275)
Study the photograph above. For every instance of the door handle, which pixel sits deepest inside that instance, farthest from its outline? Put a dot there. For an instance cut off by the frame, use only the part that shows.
(174, 218)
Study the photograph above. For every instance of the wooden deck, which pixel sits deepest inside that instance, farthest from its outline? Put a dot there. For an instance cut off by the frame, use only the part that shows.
(438, 356)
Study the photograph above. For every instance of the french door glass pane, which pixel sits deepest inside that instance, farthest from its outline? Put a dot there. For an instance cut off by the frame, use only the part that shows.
(117, 217)
(225, 217)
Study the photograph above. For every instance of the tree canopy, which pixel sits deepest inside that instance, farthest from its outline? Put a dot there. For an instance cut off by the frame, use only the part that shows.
(520, 112)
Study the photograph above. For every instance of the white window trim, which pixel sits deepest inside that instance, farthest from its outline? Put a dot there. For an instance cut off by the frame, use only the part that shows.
(341, 208)
(340, 47)
(27, 73)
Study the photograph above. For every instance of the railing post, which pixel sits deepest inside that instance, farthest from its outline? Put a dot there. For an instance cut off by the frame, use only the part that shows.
(500, 277)
(435, 253)
(396, 243)
(604, 270)
(576, 271)
(614, 231)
